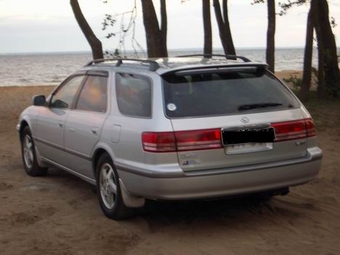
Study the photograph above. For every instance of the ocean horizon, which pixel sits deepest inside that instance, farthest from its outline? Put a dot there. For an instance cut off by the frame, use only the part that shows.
(51, 68)
(131, 50)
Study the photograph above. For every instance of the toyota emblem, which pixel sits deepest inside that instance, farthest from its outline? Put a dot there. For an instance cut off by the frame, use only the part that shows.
(244, 120)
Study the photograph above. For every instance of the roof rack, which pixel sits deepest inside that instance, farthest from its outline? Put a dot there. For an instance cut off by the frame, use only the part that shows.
(153, 65)
(216, 55)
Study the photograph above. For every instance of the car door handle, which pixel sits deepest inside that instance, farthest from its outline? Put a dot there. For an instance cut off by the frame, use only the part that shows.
(94, 131)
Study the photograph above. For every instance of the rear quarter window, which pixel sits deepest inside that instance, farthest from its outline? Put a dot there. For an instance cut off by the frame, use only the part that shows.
(221, 93)
(133, 94)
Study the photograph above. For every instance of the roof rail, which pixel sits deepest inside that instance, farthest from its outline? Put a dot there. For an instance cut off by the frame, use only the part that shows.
(153, 65)
(216, 55)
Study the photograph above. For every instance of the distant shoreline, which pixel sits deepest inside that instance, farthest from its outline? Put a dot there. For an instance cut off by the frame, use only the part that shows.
(132, 51)
(52, 68)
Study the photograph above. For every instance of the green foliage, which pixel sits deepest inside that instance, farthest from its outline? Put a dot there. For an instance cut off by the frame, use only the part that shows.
(115, 54)
(121, 26)
(294, 80)
(257, 2)
(285, 6)
(297, 82)
(108, 21)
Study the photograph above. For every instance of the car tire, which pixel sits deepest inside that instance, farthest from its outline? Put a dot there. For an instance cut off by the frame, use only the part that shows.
(29, 156)
(109, 190)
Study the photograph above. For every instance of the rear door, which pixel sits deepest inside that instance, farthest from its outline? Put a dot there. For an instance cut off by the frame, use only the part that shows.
(240, 152)
(84, 123)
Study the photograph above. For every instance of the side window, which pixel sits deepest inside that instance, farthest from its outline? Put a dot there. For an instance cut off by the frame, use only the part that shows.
(133, 94)
(93, 96)
(66, 94)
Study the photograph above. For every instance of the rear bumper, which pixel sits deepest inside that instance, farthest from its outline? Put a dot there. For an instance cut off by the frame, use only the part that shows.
(225, 182)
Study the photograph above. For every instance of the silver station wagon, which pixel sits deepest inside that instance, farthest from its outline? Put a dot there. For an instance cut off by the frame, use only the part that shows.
(172, 129)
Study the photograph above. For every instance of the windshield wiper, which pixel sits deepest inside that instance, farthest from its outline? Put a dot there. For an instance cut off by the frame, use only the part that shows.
(246, 107)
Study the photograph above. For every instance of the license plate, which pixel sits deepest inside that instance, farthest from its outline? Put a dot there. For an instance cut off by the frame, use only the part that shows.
(247, 147)
(245, 135)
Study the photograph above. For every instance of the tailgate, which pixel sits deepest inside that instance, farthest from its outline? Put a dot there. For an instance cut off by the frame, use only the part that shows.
(244, 140)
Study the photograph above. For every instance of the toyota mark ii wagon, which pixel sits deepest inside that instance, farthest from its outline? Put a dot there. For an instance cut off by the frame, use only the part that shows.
(172, 129)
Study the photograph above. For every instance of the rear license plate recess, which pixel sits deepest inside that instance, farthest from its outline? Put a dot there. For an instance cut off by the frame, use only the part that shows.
(243, 135)
(248, 139)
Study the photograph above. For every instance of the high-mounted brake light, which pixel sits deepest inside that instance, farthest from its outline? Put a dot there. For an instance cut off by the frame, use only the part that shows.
(181, 140)
(297, 129)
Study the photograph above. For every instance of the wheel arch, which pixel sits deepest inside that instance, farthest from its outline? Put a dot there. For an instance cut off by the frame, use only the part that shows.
(100, 148)
(95, 158)
(129, 200)
(38, 167)
(23, 125)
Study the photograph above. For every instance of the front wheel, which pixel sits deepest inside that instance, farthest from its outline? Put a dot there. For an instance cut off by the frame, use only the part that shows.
(109, 191)
(29, 157)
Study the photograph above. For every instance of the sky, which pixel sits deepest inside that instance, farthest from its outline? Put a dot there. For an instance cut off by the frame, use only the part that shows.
(50, 26)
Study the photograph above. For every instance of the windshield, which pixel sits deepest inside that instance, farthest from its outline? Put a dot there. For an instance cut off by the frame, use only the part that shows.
(221, 92)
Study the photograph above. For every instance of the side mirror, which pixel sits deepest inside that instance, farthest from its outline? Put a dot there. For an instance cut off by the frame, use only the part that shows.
(39, 100)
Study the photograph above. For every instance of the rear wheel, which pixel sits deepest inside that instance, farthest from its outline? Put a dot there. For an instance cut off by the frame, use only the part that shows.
(29, 157)
(109, 191)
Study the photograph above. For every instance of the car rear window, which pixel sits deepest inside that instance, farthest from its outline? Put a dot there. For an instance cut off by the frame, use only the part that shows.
(215, 91)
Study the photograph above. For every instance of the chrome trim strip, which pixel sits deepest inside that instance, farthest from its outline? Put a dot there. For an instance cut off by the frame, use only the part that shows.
(53, 145)
(77, 154)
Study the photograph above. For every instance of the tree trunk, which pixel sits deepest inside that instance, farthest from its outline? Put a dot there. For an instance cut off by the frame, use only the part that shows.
(270, 51)
(164, 25)
(230, 43)
(95, 43)
(308, 55)
(329, 53)
(207, 27)
(156, 38)
(224, 27)
(321, 91)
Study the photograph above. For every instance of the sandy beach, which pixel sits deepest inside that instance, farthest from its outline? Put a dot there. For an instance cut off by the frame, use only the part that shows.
(60, 214)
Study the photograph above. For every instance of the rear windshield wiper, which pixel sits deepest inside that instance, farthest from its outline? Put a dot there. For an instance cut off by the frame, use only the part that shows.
(246, 107)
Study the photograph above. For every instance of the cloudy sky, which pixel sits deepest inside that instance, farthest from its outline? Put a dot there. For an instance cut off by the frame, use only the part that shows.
(49, 26)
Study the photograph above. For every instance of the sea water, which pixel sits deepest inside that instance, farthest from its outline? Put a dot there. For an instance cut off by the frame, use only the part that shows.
(52, 68)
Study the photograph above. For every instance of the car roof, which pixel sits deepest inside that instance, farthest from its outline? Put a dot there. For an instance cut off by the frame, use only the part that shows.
(172, 64)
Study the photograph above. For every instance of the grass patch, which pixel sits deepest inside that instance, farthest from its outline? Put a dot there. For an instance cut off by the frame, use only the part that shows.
(325, 112)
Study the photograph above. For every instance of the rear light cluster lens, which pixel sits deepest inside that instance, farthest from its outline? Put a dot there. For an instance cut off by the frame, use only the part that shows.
(291, 130)
(198, 139)
(159, 141)
(182, 140)
(310, 128)
(211, 138)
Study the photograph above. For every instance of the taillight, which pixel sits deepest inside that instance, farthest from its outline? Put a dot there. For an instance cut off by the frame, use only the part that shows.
(182, 140)
(211, 138)
(159, 141)
(310, 128)
(198, 139)
(296, 129)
